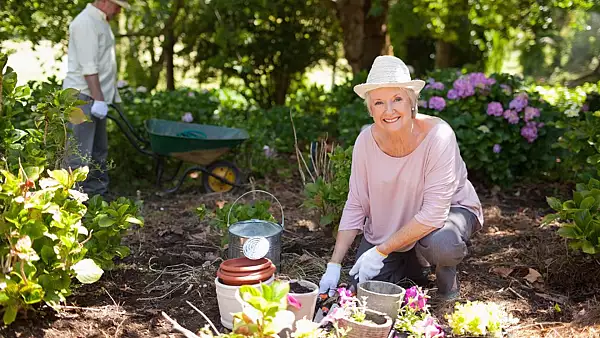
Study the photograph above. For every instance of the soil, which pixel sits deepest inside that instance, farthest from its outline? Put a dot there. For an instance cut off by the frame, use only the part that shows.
(529, 269)
(295, 287)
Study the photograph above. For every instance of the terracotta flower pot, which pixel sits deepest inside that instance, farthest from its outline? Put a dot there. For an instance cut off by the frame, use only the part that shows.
(244, 271)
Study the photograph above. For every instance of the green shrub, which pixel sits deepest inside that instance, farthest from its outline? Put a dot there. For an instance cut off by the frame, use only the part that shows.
(45, 238)
(581, 217)
(502, 128)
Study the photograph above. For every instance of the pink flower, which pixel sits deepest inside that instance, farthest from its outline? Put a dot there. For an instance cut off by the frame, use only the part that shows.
(294, 302)
(415, 298)
(345, 295)
(429, 328)
(334, 315)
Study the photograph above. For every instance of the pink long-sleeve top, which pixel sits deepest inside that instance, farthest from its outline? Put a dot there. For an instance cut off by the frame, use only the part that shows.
(389, 191)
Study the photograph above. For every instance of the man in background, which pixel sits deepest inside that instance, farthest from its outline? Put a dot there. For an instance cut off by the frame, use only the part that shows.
(92, 69)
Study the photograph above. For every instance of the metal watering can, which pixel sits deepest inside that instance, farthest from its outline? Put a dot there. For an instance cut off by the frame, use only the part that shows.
(255, 238)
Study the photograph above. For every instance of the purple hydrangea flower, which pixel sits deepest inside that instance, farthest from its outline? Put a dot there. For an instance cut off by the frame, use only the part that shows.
(452, 94)
(511, 116)
(519, 102)
(530, 131)
(495, 109)
(506, 89)
(438, 103)
(435, 85)
(531, 113)
(479, 80)
(497, 148)
(464, 87)
(422, 103)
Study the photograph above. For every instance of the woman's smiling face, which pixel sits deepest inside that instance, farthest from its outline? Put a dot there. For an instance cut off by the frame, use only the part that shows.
(391, 108)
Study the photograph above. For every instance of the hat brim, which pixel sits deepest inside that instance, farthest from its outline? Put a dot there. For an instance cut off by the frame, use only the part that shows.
(363, 88)
(122, 4)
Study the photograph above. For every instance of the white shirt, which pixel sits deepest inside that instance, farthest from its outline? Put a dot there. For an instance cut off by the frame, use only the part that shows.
(92, 51)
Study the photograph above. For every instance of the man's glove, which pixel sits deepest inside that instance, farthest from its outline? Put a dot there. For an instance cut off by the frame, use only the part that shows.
(368, 265)
(99, 109)
(330, 279)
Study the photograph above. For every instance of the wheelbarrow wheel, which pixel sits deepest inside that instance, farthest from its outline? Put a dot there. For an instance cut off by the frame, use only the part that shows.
(224, 169)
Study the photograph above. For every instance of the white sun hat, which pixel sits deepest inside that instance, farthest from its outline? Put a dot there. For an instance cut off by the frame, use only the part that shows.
(388, 71)
(122, 3)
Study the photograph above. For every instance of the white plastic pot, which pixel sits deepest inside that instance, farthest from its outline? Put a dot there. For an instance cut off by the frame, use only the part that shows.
(307, 300)
(228, 304)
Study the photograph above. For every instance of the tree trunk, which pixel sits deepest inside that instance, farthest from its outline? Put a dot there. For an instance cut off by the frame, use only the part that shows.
(443, 54)
(364, 34)
(169, 51)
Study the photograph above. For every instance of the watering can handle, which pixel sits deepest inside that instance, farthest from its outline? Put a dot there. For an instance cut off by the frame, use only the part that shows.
(266, 192)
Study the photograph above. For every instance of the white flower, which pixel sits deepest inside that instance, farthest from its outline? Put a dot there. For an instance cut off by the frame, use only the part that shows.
(187, 117)
(191, 94)
(268, 151)
(141, 89)
(484, 129)
(121, 83)
(573, 111)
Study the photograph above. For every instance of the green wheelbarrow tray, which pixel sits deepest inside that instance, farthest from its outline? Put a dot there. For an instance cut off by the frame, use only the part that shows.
(194, 143)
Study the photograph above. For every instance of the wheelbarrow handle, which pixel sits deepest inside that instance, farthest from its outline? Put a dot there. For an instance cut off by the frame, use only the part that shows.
(128, 124)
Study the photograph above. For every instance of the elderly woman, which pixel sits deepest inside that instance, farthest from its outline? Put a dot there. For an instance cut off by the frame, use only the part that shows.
(409, 193)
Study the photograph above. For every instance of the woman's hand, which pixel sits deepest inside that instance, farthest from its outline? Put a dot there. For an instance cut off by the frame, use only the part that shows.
(368, 265)
(330, 279)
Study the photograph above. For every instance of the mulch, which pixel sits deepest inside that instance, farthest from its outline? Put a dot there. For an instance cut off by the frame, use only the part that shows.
(175, 257)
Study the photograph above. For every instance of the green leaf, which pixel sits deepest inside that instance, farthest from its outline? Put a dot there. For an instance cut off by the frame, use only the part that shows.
(10, 314)
(32, 293)
(587, 202)
(258, 302)
(582, 219)
(105, 221)
(33, 173)
(80, 174)
(77, 116)
(248, 291)
(554, 203)
(87, 271)
(123, 209)
(280, 290)
(568, 232)
(549, 218)
(61, 175)
(267, 293)
(588, 248)
(122, 251)
(133, 220)
(3, 297)
(326, 219)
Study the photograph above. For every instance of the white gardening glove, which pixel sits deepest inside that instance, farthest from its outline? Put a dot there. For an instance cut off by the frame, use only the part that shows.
(99, 109)
(330, 279)
(368, 265)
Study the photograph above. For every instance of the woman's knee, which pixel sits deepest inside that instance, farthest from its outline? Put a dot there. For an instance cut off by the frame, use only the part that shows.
(443, 247)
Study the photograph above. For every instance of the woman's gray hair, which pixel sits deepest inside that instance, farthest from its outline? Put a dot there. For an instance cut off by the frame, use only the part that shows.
(412, 97)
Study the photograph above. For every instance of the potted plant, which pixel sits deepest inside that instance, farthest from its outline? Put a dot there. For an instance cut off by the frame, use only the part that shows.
(360, 321)
(303, 298)
(232, 274)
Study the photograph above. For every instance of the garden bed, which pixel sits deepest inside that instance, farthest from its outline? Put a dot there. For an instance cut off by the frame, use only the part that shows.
(175, 257)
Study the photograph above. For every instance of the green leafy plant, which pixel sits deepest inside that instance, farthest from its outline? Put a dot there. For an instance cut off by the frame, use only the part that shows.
(581, 217)
(259, 209)
(479, 319)
(108, 223)
(328, 193)
(42, 243)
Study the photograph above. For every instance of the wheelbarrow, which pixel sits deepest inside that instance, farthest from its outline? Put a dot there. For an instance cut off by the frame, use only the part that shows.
(199, 144)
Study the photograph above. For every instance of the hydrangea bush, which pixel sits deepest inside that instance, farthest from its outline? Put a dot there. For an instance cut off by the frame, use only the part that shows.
(501, 126)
